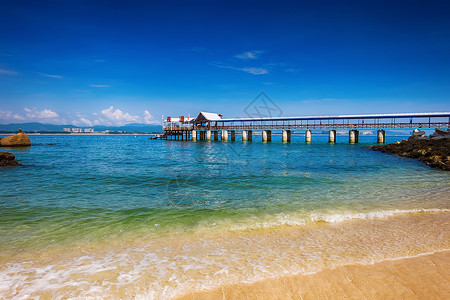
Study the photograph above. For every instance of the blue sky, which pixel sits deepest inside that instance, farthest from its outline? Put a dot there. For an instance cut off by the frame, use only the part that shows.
(116, 62)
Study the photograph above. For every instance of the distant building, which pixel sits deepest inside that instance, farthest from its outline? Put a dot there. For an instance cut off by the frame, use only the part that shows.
(89, 130)
(77, 130)
(67, 129)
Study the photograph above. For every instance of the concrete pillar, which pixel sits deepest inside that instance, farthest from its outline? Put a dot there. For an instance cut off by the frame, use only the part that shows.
(308, 136)
(266, 136)
(332, 136)
(244, 135)
(224, 135)
(249, 135)
(353, 136)
(286, 136)
(381, 136)
(233, 135)
(194, 135)
(208, 135)
(216, 135)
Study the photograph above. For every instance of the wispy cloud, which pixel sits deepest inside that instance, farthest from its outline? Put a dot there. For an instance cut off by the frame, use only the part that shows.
(100, 85)
(255, 54)
(99, 60)
(8, 72)
(50, 75)
(250, 70)
(255, 70)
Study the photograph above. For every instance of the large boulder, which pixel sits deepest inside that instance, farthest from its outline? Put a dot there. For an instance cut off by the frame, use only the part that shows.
(8, 159)
(17, 140)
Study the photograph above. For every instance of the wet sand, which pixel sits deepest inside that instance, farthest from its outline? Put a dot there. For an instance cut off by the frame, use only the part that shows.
(420, 277)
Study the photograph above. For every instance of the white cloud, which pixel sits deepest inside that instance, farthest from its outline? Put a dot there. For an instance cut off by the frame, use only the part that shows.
(249, 55)
(8, 72)
(43, 114)
(30, 115)
(148, 118)
(86, 121)
(100, 85)
(8, 117)
(109, 116)
(118, 117)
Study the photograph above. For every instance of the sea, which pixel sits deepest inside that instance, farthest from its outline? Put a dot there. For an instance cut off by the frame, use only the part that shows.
(123, 216)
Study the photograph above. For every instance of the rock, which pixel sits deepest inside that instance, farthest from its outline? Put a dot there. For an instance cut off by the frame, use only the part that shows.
(440, 134)
(417, 132)
(17, 140)
(418, 135)
(434, 152)
(8, 159)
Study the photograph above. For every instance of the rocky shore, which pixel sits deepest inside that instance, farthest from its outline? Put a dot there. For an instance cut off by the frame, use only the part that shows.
(8, 159)
(433, 150)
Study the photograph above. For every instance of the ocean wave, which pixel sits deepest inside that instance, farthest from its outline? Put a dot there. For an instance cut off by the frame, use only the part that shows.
(292, 220)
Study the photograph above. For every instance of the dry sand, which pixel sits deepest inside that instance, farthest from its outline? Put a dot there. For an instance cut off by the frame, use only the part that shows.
(420, 277)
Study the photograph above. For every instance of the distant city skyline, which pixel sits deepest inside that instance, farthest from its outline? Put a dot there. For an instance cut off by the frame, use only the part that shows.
(112, 63)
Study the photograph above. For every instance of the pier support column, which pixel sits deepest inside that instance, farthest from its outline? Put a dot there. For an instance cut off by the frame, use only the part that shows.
(286, 136)
(266, 136)
(208, 135)
(353, 136)
(224, 135)
(381, 136)
(308, 136)
(249, 135)
(216, 135)
(194, 135)
(332, 136)
(244, 135)
(233, 135)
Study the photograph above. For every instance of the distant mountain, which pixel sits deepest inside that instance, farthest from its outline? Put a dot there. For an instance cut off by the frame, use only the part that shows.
(39, 127)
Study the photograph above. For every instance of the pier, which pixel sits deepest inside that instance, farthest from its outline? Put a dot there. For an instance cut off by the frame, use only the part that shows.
(208, 126)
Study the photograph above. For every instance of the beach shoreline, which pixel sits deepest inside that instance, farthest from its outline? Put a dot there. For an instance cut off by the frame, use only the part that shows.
(424, 276)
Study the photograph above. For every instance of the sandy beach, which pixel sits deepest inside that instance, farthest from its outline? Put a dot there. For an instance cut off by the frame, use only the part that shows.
(420, 277)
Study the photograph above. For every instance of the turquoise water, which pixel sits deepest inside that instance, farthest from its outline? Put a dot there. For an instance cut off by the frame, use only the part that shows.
(82, 190)
(111, 184)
